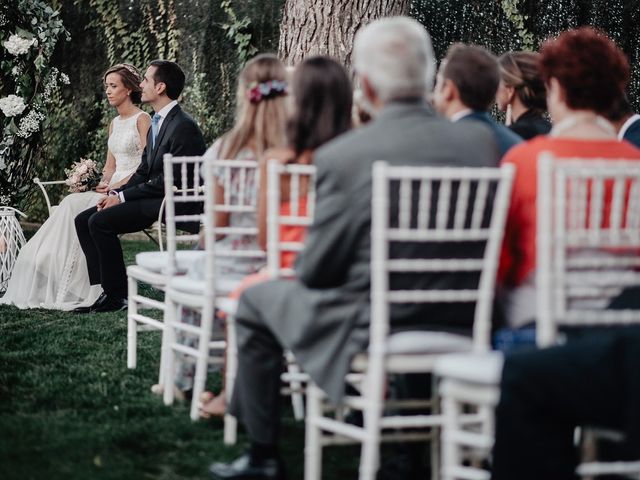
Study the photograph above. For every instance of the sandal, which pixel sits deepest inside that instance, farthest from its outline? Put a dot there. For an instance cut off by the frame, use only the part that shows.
(211, 405)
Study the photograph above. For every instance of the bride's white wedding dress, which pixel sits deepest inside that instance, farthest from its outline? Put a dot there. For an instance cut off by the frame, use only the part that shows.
(51, 270)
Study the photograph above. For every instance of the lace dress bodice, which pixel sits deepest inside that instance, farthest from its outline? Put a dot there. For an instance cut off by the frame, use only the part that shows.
(124, 144)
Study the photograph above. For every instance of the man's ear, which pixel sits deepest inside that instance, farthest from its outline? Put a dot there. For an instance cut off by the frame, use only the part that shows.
(370, 93)
(368, 90)
(450, 91)
(161, 88)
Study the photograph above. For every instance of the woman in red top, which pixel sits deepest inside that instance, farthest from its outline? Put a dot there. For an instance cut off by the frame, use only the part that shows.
(585, 73)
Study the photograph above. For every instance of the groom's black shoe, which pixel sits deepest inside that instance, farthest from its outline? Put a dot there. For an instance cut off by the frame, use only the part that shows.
(101, 299)
(246, 467)
(111, 304)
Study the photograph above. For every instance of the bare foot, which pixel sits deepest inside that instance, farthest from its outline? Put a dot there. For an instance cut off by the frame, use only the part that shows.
(211, 405)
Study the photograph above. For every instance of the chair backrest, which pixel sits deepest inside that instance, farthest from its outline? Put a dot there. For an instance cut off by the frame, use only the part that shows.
(588, 241)
(414, 208)
(239, 180)
(190, 193)
(297, 213)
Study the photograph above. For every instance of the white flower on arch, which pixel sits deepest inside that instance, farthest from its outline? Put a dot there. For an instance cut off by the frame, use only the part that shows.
(12, 105)
(16, 45)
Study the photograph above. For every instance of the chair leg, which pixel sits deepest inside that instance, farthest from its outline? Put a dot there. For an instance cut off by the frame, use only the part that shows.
(167, 358)
(231, 365)
(296, 388)
(132, 334)
(450, 453)
(435, 431)
(370, 456)
(313, 435)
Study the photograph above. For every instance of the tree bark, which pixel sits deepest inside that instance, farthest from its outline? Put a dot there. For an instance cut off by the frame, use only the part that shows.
(328, 27)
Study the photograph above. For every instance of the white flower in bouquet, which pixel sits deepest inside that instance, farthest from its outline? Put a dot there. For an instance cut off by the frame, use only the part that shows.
(12, 105)
(16, 45)
(83, 175)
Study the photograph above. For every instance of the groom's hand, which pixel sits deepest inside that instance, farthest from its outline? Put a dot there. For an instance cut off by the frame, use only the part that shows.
(108, 201)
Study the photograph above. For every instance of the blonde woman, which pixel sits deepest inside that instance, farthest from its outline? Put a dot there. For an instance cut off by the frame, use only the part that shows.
(260, 125)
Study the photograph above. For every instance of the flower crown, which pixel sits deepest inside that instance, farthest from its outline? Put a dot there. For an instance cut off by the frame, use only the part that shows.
(265, 90)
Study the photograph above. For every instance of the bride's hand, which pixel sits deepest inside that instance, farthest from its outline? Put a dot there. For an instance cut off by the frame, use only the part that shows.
(103, 187)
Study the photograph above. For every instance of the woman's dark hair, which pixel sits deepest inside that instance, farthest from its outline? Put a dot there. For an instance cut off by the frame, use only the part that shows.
(130, 79)
(322, 98)
(521, 70)
(591, 69)
(171, 75)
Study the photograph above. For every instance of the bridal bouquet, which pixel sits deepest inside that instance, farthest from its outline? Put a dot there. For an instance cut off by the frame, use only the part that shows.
(83, 175)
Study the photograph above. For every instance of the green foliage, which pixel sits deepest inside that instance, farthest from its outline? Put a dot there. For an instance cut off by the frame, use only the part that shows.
(27, 72)
(237, 30)
(510, 8)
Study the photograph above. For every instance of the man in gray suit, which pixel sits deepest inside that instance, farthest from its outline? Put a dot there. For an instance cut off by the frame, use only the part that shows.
(323, 315)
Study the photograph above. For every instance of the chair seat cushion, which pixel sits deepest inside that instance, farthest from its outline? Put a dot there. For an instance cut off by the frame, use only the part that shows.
(159, 261)
(427, 342)
(480, 368)
(195, 286)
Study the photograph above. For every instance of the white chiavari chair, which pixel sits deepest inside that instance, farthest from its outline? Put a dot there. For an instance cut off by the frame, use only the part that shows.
(410, 206)
(157, 268)
(588, 238)
(209, 293)
(297, 213)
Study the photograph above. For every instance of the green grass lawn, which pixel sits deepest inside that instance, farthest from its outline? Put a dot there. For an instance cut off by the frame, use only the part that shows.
(70, 408)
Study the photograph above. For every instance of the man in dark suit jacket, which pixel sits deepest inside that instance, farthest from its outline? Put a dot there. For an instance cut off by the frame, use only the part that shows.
(466, 87)
(626, 122)
(136, 205)
(323, 315)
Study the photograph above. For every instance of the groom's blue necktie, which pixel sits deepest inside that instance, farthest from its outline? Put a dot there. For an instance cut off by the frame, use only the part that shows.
(155, 121)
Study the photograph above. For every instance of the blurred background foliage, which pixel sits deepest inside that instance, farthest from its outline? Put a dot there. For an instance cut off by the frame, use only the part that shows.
(211, 39)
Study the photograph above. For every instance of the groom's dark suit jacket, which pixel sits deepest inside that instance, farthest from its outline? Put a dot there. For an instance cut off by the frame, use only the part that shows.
(179, 136)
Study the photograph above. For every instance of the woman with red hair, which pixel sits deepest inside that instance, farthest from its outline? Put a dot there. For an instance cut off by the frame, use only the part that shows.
(585, 73)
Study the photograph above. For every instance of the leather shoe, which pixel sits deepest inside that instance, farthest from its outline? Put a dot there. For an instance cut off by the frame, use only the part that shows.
(101, 299)
(246, 468)
(111, 304)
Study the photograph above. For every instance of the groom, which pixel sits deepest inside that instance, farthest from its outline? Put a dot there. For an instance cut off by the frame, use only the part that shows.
(136, 205)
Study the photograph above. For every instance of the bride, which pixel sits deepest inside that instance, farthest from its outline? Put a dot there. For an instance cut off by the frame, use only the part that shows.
(51, 270)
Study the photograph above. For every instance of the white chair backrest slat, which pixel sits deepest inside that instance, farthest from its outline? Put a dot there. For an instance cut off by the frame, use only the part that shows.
(299, 176)
(190, 190)
(588, 239)
(450, 218)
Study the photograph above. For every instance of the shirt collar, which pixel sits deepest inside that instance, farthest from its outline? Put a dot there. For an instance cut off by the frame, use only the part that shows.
(460, 115)
(631, 120)
(164, 111)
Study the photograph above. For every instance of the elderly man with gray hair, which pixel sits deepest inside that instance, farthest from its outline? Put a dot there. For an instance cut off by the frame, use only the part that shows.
(322, 316)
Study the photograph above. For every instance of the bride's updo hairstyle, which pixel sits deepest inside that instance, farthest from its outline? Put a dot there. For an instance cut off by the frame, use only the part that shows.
(261, 109)
(590, 68)
(130, 77)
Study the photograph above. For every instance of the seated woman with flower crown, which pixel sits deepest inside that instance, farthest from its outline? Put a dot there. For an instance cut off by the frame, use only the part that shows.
(50, 271)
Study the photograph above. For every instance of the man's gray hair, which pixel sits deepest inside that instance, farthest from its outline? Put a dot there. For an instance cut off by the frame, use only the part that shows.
(396, 56)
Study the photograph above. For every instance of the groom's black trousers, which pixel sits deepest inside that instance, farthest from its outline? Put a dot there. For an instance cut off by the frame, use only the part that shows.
(98, 234)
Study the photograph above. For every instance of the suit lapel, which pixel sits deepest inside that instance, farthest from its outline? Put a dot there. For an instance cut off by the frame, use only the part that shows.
(165, 124)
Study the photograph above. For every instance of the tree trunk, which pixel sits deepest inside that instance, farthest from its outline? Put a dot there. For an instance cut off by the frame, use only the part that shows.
(328, 27)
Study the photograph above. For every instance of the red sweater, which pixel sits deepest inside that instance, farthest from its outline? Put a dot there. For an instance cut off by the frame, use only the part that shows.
(518, 256)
